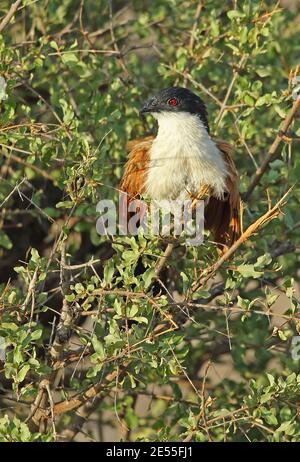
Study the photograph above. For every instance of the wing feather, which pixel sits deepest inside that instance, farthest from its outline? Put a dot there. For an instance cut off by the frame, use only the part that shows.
(132, 184)
(136, 167)
(222, 217)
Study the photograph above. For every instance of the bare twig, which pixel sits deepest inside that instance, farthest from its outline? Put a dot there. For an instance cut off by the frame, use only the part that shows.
(271, 153)
(281, 249)
(269, 215)
(244, 142)
(163, 259)
(88, 264)
(202, 410)
(114, 40)
(89, 394)
(6, 20)
(229, 90)
(41, 413)
(23, 162)
(197, 85)
(64, 326)
(31, 288)
(16, 188)
(192, 37)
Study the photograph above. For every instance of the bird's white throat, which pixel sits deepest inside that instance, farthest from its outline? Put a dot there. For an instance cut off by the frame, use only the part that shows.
(183, 158)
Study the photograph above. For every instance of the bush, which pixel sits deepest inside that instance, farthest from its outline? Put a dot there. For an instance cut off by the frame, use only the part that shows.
(93, 347)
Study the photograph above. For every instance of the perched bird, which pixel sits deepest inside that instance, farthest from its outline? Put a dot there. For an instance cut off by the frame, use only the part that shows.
(184, 161)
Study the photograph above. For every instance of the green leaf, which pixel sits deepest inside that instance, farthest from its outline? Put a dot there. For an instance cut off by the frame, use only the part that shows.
(98, 347)
(285, 427)
(53, 45)
(185, 282)
(108, 273)
(271, 419)
(271, 379)
(282, 335)
(5, 241)
(69, 58)
(148, 277)
(35, 256)
(248, 271)
(249, 100)
(22, 373)
(36, 334)
(133, 310)
(64, 205)
(232, 14)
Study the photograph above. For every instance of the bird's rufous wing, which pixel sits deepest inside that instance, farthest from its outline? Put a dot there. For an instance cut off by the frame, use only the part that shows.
(132, 184)
(222, 217)
(134, 177)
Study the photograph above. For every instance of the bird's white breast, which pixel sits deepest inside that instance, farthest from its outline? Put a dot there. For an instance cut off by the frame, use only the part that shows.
(183, 158)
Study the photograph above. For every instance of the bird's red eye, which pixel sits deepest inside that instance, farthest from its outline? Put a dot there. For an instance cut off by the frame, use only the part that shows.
(172, 102)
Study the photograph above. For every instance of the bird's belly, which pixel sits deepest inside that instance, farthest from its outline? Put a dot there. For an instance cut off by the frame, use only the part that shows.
(175, 179)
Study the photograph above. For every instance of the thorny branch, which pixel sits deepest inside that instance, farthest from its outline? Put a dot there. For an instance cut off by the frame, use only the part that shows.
(272, 151)
(39, 415)
(6, 20)
(253, 228)
(63, 330)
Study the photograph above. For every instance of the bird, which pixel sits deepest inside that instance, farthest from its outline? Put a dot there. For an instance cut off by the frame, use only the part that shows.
(185, 161)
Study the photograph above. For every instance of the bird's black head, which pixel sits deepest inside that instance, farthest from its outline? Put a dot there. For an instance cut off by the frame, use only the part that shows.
(177, 99)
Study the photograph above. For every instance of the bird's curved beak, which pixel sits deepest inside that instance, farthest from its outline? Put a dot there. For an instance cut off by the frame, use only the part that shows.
(144, 109)
(150, 106)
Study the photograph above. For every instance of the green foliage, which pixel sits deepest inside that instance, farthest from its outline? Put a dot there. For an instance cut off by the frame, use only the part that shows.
(207, 365)
(15, 430)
